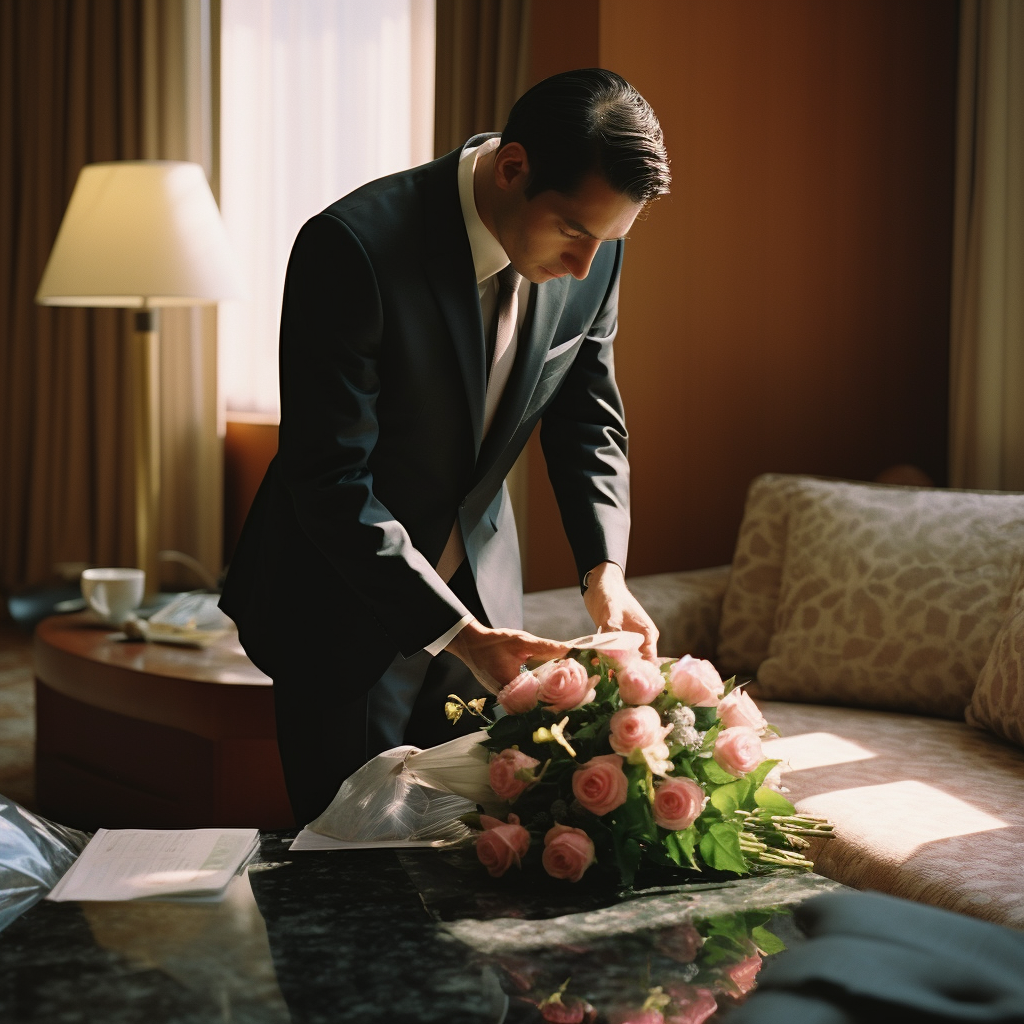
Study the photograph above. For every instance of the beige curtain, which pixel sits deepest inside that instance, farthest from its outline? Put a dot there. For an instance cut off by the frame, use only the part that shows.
(481, 68)
(178, 101)
(83, 81)
(987, 323)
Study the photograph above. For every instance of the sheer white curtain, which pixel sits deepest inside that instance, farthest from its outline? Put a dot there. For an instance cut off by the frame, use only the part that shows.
(317, 97)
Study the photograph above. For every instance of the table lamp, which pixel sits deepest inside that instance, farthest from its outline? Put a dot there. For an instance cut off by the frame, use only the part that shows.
(142, 234)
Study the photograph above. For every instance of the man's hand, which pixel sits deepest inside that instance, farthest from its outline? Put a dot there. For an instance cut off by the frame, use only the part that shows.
(495, 656)
(612, 606)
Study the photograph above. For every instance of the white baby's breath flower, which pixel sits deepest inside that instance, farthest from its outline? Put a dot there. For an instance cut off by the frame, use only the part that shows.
(683, 730)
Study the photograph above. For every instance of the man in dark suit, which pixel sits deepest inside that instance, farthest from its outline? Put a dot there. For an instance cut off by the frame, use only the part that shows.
(414, 365)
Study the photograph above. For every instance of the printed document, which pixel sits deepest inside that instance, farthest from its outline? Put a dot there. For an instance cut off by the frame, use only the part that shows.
(132, 864)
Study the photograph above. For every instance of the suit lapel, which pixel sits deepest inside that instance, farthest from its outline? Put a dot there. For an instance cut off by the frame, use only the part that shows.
(449, 269)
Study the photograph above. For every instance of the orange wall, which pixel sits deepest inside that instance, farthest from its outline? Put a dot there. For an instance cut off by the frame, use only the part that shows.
(248, 449)
(786, 309)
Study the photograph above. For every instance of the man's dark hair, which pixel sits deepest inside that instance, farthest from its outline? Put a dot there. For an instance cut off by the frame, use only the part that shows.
(589, 121)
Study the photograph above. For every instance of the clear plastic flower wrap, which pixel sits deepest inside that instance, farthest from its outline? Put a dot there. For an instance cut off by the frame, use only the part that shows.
(34, 854)
(407, 794)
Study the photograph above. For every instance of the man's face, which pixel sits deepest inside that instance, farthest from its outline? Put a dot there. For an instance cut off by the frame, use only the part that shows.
(553, 235)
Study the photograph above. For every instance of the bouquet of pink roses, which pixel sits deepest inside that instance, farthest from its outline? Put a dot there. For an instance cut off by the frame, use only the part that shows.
(682, 974)
(606, 758)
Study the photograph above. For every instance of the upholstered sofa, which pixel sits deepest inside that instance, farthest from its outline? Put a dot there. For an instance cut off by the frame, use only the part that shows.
(883, 630)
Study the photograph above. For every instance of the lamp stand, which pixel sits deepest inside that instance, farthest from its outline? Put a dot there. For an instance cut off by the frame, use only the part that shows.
(146, 410)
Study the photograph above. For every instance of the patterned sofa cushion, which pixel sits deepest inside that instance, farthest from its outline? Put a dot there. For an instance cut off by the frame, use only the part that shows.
(998, 700)
(890, 597)
(752, 595)
(923, 808)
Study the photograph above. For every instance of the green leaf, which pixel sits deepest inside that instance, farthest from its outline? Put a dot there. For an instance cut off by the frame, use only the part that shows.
(665, 703)
(760, 773)
(729, 798)
(760, 916)
(733, 926)
(684, 766)
(772, 802)
(713, 773)
(720, 848)
(627, 857)
(766, 941)
(636, 811)
(680, 847)
(705, 719)
(592, 730)
(720, 949)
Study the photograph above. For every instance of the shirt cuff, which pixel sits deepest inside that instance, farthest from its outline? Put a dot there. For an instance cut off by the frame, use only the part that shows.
(443, 641)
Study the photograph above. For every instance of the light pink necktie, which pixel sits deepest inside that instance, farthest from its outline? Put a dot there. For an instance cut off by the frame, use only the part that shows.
(505, 322)
(504, 341)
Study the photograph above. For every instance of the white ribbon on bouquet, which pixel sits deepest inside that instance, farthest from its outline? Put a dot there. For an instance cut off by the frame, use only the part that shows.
(407, 797)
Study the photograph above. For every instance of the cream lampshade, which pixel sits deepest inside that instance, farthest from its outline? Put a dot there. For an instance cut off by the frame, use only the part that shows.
(142, 234)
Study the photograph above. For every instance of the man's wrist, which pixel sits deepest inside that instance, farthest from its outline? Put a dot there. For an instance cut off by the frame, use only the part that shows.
(593, 576)
(443, 641)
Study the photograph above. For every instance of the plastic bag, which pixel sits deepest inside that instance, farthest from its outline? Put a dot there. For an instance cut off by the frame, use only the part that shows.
(34, 854)
(408, 794)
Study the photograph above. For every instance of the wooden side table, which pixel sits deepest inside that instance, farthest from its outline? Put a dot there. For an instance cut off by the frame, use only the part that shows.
(152, 736)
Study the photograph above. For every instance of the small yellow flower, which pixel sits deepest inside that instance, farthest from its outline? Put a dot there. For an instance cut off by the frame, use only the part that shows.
(556, 996)
(656, 999)
(558, 732)
(455, 706)
(555, 734)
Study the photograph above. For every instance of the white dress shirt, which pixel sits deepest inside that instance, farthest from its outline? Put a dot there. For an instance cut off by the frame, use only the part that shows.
(488, 259)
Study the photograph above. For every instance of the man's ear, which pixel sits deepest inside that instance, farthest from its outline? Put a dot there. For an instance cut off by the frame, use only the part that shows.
(511, 167)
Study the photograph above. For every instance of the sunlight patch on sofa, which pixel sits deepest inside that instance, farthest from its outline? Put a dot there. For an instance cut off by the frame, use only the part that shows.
(897, 818)
(814, 750)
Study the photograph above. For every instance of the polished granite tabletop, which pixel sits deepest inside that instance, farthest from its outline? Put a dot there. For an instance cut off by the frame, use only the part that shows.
(416, 936)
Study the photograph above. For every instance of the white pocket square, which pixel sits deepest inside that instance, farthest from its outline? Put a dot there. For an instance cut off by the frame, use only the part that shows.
(563, 347)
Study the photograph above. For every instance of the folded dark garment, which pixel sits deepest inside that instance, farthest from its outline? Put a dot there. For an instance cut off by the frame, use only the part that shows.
(876, 958)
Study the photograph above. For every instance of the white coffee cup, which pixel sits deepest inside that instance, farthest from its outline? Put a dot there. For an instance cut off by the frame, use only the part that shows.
(113, 593)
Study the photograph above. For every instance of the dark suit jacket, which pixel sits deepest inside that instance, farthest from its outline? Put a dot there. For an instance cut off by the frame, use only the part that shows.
(382, 396)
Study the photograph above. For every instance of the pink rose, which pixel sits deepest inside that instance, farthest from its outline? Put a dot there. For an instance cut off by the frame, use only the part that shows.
(738, 750)
(564, 685)
(576, 1011)
(744, 974)
(520, 695)
(601, 784)
(639, 681)
(619, 656)
(568, 852)
(680, 942)
(678, 803)
(738, 709)
(636, 1017)
(691, 1005)
(634, 728)
(502, 773)
(502, 844)
(695, 682)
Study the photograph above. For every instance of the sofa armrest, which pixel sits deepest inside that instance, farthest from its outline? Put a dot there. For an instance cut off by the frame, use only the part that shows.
(685, 606)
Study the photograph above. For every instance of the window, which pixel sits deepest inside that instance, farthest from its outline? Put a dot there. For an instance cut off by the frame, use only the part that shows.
(317, 97)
